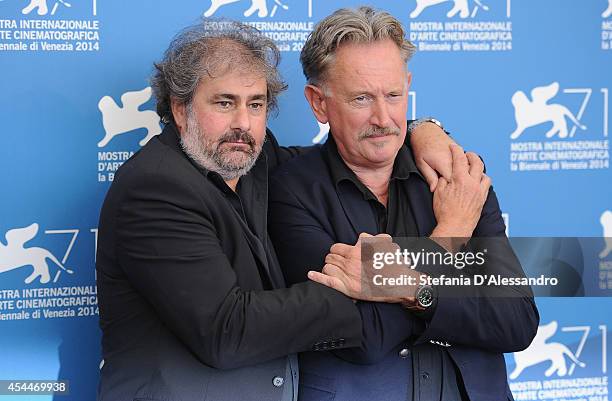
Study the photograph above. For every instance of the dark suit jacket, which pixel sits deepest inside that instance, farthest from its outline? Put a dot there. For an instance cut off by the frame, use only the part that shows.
(190, 308)
(308, 213)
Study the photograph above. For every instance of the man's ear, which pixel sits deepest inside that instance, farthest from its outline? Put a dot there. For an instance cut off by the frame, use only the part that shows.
(179, 112)
(316, 98)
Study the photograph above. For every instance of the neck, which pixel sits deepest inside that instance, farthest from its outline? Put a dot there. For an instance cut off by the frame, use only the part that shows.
(376, 179)
(232, 183)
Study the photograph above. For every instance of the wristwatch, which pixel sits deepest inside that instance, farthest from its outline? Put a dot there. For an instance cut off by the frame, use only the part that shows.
(424, 296)
(420, 121)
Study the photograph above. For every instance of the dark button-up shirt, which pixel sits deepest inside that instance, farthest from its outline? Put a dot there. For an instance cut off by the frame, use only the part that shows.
(434, 374)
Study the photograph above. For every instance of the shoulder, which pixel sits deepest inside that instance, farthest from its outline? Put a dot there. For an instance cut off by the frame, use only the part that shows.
(306, 167)
(157, 172)
(158, 160)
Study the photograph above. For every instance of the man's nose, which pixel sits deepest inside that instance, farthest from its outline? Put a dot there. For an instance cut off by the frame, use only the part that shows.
(380, 114)
(240, 119)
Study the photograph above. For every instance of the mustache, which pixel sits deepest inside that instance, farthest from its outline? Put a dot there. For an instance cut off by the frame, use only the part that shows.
(373, 132)
(238, 136)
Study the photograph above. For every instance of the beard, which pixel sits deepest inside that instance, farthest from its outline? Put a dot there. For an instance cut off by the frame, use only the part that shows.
(230, 162)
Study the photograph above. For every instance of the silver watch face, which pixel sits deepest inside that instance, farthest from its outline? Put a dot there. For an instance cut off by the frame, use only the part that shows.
(425, 297)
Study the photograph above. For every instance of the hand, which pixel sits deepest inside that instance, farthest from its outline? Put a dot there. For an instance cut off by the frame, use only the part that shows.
(458, 203)
(345, 271)
(430, 145)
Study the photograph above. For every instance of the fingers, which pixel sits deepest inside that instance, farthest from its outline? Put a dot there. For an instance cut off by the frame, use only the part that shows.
(445, 166)
(371, 239)
(442, 184)
(329, 281)
(485, 184)
(345, 251)
(341, 249)
(476, 165)
(460, 161)
(429, 174)
(486, 179)
(362, 236)
(335, 259)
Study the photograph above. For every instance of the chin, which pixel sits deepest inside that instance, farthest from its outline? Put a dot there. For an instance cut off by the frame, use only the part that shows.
(381, 158)
(381, 154)
(238, 157)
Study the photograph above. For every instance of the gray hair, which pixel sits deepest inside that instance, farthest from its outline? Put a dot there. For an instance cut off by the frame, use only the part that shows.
(346, 25)
(213, 48)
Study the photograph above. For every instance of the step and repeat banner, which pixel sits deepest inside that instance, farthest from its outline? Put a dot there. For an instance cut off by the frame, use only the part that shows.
(525, 83)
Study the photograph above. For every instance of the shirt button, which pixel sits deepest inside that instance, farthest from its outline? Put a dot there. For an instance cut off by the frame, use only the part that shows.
(404, 353)
(425, 375)
(278, 381)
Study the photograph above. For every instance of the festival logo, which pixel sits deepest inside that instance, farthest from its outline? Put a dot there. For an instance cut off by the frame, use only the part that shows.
(45, 292)
(467, 25)
(286, 22)
(606, 28)
(257, 6)
(541, 350)
(117, 120)
(529, 113)
(550, 132)
(606, 223)
(605, 255)
(562, 363)
(120, 120)
(41, 7)
(67, 27)
(323, 131)
(15, 255)
(608, 11)
(460, 7)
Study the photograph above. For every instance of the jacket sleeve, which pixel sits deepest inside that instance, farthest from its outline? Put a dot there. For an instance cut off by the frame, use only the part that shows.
(495, 318)
(302, 243)
(169, 248)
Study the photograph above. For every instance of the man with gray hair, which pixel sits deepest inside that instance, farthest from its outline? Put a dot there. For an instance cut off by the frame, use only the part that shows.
(416, 346)
(193, 304)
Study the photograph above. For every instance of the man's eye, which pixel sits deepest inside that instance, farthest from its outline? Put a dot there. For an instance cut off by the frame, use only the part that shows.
(224, 104)
(257, 106)
(394, 96)
(363, 99)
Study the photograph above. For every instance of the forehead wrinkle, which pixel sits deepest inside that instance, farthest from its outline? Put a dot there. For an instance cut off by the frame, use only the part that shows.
(246, 79)
(345, 73)
(364, 85)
